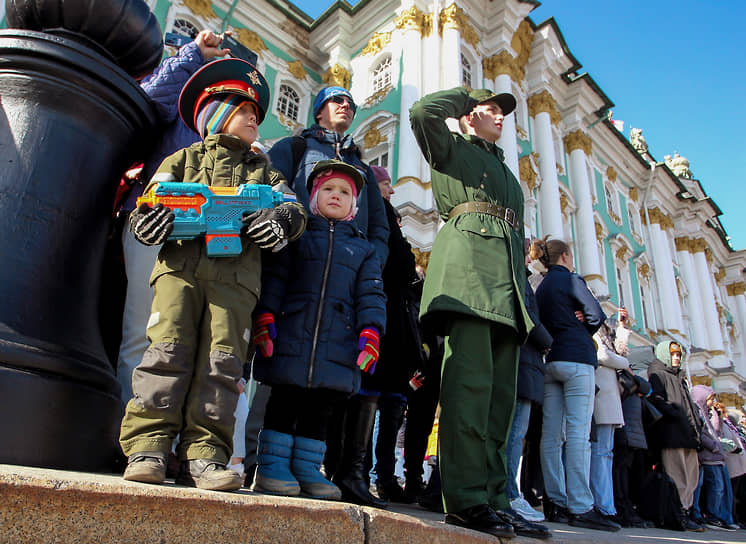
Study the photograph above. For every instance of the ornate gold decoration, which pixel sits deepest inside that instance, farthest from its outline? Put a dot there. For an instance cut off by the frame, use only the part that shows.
(377, 96)
(643, 218)
(644, 271)
(427, 25)
(412, 179)
(456, 18)
(599, 231)
(522, 134)
(736, 289)
(544, 102)
(719, 275)
(378, 41)
(621, 253)
(373, 136)
(560, 169)
(337, 76)
(615, 218)
(521, 44)
(250, 39)
(697, 244)
(682, 243)
(702, 380)
(657, 217)
(611, 173)
(421, 258)
(634, 193)
(716, 352)
(502, 63)
(296, 69)
(732, 399)
(411, 19)
(564, 203)
(526, 172)
(201, 8)
(721, 311)
(591, 277)
(578, 139)
(708, 255)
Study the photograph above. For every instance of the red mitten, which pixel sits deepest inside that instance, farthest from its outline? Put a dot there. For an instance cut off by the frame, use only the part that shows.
(264, 333)
(368, 346)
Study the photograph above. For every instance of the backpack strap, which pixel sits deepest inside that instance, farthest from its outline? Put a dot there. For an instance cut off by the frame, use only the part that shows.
(298, 148)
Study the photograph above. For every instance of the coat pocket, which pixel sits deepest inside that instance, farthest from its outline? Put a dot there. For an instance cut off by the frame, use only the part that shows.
(169, 260)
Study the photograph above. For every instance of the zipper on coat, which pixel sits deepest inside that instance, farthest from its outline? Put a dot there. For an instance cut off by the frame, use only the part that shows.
(320, 309)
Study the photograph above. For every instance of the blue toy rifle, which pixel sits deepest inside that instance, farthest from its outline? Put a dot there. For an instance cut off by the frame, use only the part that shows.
(213, 211)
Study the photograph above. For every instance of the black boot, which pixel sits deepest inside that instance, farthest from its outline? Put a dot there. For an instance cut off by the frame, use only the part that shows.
(358, 428)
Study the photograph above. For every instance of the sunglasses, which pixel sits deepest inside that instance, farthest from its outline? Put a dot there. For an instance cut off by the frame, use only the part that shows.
(341, 99)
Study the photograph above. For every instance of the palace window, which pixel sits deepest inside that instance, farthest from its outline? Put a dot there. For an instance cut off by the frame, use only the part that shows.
(382, 75)
(288, 102)
(185, 28)
(465, 71)
(380, 160)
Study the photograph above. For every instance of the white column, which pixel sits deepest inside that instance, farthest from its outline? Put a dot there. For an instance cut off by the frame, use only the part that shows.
(549, 194)
(667, 291)
(408, 153)
(738, 303)
(450, 61)
(507, 141)
(699, 334)
(588, 257)
(709, 313)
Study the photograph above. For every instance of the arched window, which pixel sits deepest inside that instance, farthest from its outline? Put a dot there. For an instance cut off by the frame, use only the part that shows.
(288, 102)
(609, 201)
(185, 28)
(382, 75)
(465, 71)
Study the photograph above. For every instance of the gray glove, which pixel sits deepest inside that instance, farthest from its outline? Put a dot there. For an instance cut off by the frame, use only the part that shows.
(270, 228)
(151, 226)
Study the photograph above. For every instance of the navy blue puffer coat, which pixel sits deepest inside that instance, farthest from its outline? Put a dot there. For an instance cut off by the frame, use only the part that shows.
(323, 290)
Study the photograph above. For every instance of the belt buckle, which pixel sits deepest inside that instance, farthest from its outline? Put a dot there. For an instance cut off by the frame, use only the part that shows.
(510, 216)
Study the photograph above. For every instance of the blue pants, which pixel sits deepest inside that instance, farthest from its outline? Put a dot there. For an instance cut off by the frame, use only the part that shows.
(568, 407)
(715, 493)
(514, 447)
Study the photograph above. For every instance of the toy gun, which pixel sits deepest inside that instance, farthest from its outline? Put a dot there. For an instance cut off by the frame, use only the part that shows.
(213, 211)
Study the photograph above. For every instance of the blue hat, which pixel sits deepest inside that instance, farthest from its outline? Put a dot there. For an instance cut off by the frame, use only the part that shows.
(327, 93)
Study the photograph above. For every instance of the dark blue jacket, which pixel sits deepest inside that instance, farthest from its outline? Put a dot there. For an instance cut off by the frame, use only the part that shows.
(531, 361)
(560, 295)
(163, 87)
(322, 144)
(323, 290)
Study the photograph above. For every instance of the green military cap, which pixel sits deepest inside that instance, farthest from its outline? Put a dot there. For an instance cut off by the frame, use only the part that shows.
(338, 166)
(506, 101)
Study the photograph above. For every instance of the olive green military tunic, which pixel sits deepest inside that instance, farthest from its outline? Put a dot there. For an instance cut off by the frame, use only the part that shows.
(473, 294)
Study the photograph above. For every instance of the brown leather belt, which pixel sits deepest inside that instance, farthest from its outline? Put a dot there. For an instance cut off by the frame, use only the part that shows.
(506, 214)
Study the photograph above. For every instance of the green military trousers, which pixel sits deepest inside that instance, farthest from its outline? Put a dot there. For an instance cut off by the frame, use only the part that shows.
(187, 382)
(477, 398)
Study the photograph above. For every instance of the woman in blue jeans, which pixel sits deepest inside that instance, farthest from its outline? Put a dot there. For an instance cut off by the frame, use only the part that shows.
(571, 314)
(529, 389)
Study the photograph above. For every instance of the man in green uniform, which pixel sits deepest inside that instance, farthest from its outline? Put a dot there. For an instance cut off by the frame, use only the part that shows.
(473, 295)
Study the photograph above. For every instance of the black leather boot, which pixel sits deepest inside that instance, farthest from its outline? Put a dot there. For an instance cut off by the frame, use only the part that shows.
(358, 429)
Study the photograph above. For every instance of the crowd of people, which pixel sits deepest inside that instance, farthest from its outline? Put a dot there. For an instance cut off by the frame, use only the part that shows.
(344, 337)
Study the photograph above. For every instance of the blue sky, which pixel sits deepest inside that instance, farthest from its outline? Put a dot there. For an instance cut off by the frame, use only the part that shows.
(674, 68)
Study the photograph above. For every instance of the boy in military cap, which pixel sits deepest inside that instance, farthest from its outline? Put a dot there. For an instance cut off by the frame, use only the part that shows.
(187, 381)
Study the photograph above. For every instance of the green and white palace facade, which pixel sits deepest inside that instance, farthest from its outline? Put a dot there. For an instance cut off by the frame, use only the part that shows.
(643, 231)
